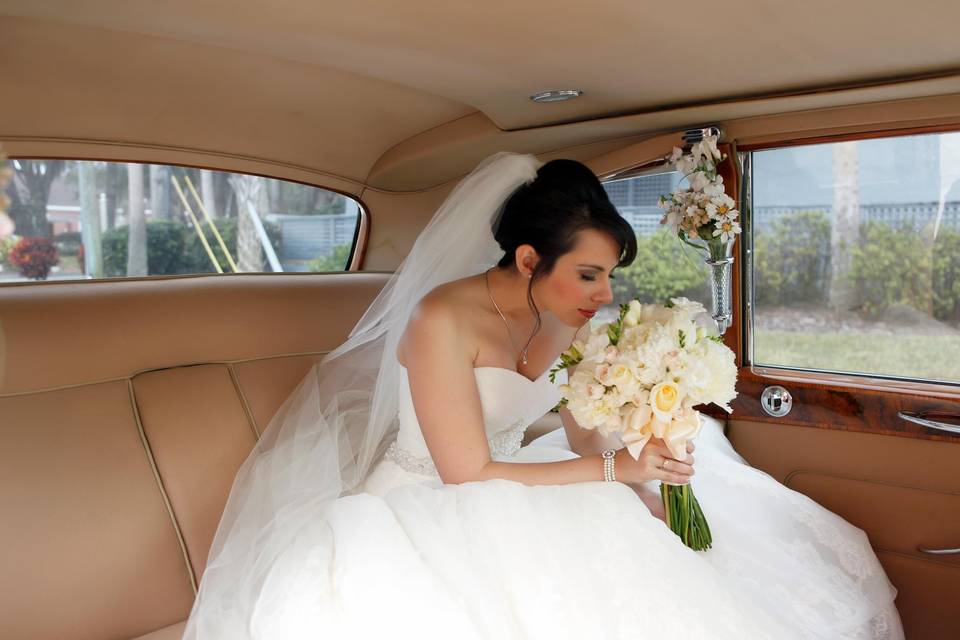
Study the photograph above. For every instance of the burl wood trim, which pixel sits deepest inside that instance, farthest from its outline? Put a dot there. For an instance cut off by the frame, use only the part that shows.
(845, 409)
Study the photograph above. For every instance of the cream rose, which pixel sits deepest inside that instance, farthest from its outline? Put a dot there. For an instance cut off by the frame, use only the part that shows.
(665, 399)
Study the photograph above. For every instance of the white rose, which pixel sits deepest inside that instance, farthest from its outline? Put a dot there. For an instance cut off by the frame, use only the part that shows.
(621, 375)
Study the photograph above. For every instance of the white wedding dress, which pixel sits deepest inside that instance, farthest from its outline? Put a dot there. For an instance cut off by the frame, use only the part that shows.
(412, 558)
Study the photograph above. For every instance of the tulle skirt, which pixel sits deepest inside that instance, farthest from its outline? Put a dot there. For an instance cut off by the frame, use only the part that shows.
(411, 558)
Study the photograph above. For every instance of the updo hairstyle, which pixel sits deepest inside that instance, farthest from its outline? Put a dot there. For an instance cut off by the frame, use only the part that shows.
(564, 199)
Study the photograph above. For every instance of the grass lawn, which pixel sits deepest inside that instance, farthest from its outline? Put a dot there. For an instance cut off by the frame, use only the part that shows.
(909, 356)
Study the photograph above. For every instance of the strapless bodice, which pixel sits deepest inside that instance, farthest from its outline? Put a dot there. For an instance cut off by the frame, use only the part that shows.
(510, 402)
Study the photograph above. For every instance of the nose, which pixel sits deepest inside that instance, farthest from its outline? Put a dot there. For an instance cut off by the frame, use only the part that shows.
(604, 295)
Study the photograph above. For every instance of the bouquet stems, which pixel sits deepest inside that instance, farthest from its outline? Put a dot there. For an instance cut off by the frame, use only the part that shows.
(684, 516)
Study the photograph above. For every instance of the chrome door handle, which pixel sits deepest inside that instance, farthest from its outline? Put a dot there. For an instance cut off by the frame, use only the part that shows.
(938, 552)
(928, 423)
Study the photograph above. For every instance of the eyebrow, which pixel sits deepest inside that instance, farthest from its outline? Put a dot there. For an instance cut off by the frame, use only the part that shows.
(593, 266)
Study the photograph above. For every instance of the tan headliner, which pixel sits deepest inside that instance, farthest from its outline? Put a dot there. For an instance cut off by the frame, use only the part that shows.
(404, 96)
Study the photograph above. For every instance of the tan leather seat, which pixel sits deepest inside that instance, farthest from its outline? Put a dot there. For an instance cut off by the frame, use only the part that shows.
(125, 410)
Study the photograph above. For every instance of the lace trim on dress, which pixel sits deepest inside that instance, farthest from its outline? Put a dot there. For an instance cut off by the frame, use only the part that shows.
(508, 441)
(502, 443)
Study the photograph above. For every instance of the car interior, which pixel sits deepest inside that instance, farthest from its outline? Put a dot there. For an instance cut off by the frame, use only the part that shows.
(128, 402)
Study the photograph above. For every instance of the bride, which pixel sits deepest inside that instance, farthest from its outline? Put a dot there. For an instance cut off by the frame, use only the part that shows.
(390, 496)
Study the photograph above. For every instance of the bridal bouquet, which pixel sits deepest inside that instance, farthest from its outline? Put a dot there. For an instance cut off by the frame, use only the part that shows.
(641, 376)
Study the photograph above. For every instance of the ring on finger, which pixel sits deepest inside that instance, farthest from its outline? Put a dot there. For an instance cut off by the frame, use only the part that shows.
(664, 465)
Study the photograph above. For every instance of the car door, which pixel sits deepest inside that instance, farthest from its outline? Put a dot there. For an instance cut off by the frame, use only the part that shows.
(848, 339)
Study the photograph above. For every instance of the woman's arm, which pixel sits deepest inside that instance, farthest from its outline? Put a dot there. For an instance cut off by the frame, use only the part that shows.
(586, 442)
(439, 358)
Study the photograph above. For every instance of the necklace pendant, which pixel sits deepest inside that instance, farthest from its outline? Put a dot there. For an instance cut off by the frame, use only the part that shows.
(523, 358)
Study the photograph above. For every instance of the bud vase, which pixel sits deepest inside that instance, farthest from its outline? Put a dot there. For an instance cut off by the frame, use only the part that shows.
(720, 268)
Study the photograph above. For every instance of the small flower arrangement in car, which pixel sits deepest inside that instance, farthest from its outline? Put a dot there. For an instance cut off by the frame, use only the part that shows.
(704, 217)
(703, 211)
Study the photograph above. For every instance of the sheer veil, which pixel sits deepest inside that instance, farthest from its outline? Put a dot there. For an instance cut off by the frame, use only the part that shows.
(328, 434)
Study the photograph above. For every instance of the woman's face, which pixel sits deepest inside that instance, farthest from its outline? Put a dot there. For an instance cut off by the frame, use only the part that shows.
(580, 281)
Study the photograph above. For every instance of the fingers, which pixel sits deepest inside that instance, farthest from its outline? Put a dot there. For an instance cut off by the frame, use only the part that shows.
(675, 467)
(690, 447)
(675, 479)
(663, 451)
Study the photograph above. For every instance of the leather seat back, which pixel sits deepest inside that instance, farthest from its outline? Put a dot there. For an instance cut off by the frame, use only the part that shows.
(126, 408)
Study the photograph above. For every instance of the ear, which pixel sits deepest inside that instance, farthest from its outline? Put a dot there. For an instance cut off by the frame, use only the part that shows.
(525, 259)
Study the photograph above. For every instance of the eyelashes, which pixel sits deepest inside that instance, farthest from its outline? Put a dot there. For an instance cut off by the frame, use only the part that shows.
(594, 278)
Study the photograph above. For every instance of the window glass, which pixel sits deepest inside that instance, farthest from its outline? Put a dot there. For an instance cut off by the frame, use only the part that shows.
(664, 268)
(90, 219)
(857, 257)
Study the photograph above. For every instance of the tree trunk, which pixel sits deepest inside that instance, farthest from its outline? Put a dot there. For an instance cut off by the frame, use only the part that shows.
(136, 223)
(845, 229)
(272, 194)
(207, 193)
(114, 183)
(248, 193)
(160, 191)
(31, 191)
(90, 221)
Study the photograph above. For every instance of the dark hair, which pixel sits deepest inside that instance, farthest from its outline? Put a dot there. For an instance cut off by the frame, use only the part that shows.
(564, 199)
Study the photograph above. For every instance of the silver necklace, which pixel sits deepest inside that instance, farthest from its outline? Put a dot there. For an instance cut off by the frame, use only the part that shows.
(523, 352)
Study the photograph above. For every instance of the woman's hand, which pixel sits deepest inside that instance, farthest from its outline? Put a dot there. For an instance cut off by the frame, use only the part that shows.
(655, 463)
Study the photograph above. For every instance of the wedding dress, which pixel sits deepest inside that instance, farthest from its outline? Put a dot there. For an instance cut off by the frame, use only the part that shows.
(338, 525)
(410, 557)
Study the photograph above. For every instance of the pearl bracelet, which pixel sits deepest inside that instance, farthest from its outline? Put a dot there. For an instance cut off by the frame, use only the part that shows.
(609, 473)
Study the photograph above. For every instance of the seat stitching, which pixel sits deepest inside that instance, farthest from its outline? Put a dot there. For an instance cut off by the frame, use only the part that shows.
(77, 385)
(243, 401)
(163, 492)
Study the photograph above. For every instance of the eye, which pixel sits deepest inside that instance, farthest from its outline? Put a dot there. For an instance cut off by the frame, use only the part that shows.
(588, 278)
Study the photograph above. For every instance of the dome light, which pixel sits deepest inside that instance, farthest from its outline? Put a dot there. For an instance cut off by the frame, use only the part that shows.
(556, 96)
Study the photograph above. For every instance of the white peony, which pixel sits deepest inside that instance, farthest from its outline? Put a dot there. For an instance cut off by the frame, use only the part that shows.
(595, 349)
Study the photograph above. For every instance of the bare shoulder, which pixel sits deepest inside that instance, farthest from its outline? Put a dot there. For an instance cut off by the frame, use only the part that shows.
(440, 318)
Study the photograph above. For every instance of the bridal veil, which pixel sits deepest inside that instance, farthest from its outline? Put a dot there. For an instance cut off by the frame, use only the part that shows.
(338, 422)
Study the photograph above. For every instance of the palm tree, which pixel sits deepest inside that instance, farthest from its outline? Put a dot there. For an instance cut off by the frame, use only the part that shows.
(249, 250)
(136, 222)
(160, 191)
(207, 193)
(845, 230)
(90, 220)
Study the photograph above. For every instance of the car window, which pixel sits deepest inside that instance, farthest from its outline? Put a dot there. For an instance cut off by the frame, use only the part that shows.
(665, 268)
(90, 219)
(856, 257)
